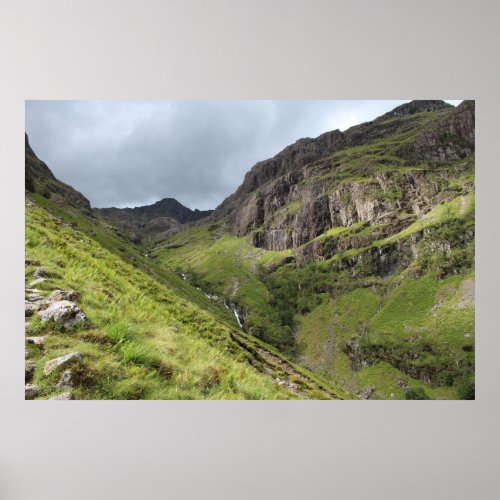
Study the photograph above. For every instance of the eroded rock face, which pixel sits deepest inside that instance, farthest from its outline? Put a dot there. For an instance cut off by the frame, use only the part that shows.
(51, 365)
(290, 199)
(64, 313)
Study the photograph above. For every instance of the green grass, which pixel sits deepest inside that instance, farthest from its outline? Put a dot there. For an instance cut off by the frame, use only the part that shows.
(143, 341)
(229, 266)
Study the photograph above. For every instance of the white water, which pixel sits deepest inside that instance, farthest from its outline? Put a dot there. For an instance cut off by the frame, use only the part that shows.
(236, 315)
(238, 318)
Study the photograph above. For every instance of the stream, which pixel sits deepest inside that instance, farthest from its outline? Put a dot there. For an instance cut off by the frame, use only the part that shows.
(230, 307)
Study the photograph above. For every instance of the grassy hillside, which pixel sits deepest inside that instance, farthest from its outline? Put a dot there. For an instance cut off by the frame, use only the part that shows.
(411, 329)
(341, 268)
(144, 340)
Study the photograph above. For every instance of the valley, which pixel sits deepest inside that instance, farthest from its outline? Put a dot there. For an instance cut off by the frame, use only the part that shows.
(342, 268)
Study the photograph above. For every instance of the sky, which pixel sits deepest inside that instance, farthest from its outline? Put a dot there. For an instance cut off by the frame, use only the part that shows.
(133, 153)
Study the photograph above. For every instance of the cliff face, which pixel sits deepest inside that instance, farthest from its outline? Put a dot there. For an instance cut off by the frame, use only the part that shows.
(386, 173)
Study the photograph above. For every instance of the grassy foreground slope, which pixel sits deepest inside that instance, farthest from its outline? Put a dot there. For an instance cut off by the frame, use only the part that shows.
(143, 339)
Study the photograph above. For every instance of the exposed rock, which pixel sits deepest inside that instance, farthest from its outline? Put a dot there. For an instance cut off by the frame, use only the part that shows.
(65, 396)
(31, 391)
(37, 282)
(420, 106)
(66, 380)
(39, 273)
(30, 308)
(58, 295)
(29, 370)
(366, 393)
(64, 313)
(289, 200)
(51, 365)
(34, 297)
(36, 340)
(31, 262)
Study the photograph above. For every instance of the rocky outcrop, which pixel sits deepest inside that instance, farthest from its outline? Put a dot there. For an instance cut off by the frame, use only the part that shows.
(58, 295)
(161, 225)
(304, 191)
(63, 313)
(59, 307)
(36, 340)
(66, 380)
(414, 107)
(53, 364)
(291, 159)
(450, 138)
(29, 370)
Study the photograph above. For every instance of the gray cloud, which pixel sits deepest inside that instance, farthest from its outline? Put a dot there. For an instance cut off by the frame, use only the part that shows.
(130, 153)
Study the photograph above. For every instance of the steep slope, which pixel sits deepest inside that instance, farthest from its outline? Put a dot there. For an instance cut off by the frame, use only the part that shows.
(353, 253)
(104, 322)
(39, 179)
(158, 220)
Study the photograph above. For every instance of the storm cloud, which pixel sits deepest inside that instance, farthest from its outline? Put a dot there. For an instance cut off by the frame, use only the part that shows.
(131, 153)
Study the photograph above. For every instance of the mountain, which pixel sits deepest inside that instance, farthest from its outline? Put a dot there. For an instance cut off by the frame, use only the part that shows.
(40, 179)
(105, 322)
(303, 191)
(353, 253)
(159, 219)
(343, 267)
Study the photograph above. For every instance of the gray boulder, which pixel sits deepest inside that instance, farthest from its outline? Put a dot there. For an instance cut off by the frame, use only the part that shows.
(66, 380)
(29, 370)
(58, 295)
(39, 273)
(64, 313)
(36, 340)
(30, 308)
(37, 282)
(32, 303)
(51, 365)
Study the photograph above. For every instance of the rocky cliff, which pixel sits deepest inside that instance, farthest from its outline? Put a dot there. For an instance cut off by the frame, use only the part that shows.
(387, 172)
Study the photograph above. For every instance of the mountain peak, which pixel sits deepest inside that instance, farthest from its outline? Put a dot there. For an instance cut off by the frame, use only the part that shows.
(412, 107)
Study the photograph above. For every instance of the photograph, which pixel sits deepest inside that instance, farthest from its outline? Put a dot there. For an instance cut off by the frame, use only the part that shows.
(257, 256)
(249, 249)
